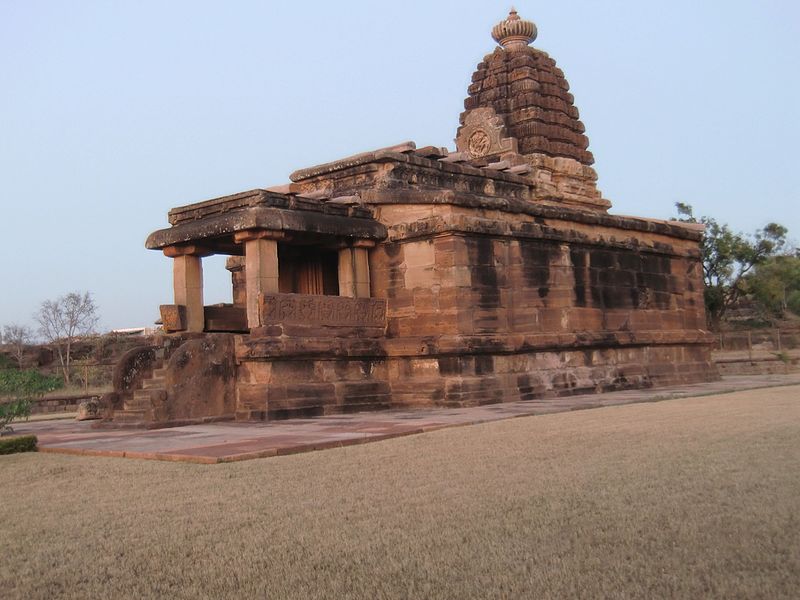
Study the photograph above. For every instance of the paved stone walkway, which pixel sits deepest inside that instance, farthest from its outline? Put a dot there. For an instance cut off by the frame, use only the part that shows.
(228, 441)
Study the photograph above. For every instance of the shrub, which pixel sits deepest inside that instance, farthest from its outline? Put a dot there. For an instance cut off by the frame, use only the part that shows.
(20, 408)
(18, 443)
(17, 389)
(783, 357)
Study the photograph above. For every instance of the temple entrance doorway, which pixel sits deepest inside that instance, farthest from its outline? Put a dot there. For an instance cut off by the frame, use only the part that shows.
(308, 270)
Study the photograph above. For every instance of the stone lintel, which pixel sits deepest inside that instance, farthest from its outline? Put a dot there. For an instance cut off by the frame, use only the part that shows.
(259, 234)
(186, 250)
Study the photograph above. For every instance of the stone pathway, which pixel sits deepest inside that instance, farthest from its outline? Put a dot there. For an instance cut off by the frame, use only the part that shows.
(228, 441)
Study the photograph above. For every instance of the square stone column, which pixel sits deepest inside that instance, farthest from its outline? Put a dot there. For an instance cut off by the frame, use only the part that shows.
(347, 283)
(354, 269)
(187, 281)
(361, 267)
(260, 267)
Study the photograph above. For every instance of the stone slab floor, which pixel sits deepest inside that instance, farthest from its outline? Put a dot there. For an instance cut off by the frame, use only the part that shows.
(226, 442)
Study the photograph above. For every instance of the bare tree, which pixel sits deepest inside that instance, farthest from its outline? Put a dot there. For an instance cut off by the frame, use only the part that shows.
(18, 337)
(65, 319)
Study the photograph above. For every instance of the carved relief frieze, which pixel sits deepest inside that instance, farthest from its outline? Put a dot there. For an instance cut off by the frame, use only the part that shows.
(335, 311)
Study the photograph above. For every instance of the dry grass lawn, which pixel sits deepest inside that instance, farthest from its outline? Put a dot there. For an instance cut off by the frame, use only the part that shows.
(693, 498)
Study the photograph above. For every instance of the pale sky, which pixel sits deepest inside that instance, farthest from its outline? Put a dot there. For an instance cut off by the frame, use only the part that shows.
(113, 112)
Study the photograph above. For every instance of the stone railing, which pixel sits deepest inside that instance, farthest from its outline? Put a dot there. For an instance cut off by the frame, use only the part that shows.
(324, 311)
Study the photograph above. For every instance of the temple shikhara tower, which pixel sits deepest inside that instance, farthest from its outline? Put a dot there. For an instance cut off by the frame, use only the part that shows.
(420, 276)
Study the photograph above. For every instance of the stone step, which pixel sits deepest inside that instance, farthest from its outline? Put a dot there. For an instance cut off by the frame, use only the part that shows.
(161, 372)
(142, 400)
(130, 416)
(153, 382)
(138, 403)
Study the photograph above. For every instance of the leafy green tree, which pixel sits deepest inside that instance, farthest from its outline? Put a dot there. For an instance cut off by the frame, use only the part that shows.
(775, 284)
(728, 258)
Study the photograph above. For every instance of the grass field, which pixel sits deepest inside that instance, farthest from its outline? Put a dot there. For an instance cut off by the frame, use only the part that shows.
(692, 498)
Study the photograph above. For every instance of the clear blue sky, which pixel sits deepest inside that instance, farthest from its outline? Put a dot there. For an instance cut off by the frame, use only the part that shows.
(113, 112)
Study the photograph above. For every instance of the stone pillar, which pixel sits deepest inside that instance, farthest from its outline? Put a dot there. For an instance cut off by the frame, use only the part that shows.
(354, 269)
(361, 267)
(235, 264)
(187, 280)
(347, 284)
(261, 268)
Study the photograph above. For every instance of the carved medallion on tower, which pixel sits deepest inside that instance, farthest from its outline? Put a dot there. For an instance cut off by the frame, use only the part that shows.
(484, 134)
(479, 143)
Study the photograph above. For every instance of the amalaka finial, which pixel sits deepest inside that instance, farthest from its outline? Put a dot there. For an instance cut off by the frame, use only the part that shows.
(514, 32)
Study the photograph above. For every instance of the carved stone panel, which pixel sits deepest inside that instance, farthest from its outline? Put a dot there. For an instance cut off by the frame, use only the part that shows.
(335, 311)
(484, 134)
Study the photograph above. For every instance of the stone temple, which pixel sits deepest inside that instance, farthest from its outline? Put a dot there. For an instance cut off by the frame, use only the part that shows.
(419, 276)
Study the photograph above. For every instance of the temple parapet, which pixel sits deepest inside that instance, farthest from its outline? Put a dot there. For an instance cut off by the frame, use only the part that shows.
(322, 311)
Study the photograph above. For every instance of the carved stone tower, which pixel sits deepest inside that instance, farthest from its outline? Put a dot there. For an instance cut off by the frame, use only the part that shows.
(519, 110)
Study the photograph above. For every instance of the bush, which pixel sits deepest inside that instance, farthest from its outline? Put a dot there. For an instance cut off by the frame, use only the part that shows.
(27, 383)
(17, 389)
(19, 443)
(11, 410)
(784, 357)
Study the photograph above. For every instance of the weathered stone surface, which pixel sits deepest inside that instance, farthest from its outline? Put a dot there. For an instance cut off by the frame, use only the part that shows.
(326, 311)
(518, 94)
(199, 381)
(88, 410)
(216, 221)
(489, 274)
(173, 317)
(133, 367)
(511, 81)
